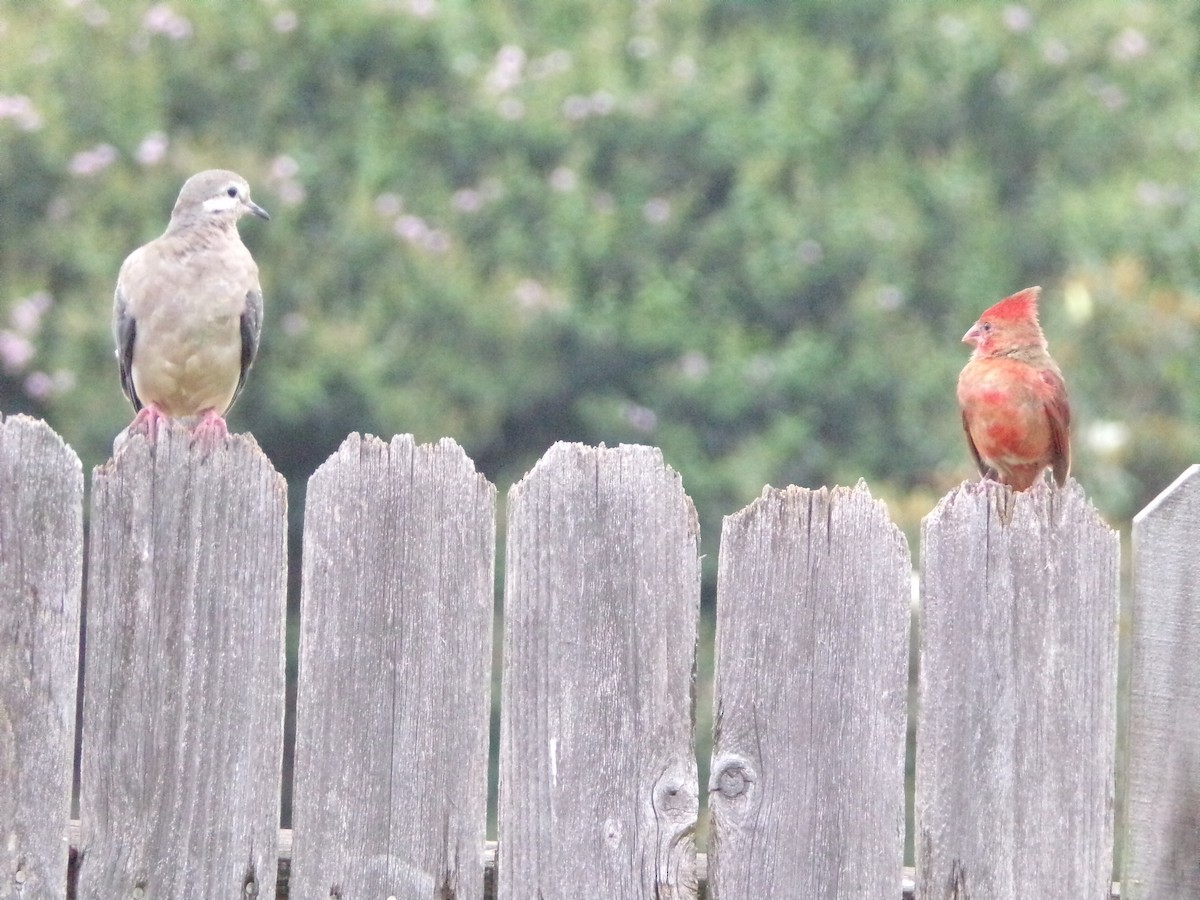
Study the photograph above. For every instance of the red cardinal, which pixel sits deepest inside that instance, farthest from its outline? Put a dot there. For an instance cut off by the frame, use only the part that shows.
(1013, 398)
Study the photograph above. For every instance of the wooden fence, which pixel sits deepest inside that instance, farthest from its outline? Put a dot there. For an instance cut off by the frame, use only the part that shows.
(183, 684)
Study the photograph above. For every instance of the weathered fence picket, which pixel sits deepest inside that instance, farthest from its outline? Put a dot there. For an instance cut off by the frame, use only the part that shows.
(1017, 724)
(41, 570)
(598, 794)
(810, 705)
(184, 678)
(390, 797)
(1162, 809)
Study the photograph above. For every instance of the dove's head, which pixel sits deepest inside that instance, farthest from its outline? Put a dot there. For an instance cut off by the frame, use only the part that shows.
(216, 196)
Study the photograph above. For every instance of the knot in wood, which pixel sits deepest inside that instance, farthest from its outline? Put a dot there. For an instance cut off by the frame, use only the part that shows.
(672, 798)
(732, 777)
(612, 832)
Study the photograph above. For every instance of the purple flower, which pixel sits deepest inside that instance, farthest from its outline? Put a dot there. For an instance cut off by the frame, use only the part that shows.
(564, 179)
(641, 418)
(21, 110)
(507, 69)
(1017, 18)
(389, 204)
(285, 21)
(161, 19)
(26, 316)
(422, 9)
(39, 385)
(15, 352)
(657, 210)
(152, 150)
(87, 163)
(1129, 45)
(467, 200)
(283, 167)
(411, 228)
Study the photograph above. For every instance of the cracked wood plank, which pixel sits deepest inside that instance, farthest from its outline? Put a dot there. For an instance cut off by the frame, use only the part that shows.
(1017, 726)
(41, 574)
(1162, 810)
(184, 672)
(598, 792)
(807, 785)
(394, 687)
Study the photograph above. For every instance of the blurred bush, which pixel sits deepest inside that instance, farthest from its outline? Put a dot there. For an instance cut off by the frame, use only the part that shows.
(749, 232)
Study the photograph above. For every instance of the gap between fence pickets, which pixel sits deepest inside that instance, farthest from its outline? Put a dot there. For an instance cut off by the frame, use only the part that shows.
(907, 880)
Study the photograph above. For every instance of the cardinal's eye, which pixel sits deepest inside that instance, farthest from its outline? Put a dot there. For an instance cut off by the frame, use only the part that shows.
(987, 326)
(231, 191)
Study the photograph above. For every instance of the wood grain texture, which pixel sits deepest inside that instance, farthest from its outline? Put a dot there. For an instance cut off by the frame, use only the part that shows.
(395, 674)
(184, 678)
(1017, 728)
(41, 573)
(1162, 808)
(598, 793)
(810, 705)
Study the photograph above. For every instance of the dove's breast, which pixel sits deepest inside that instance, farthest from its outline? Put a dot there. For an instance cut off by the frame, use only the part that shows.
(187, 349)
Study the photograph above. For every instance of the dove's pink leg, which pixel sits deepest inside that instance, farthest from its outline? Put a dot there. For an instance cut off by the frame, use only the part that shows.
(211, 428)
(148, 421)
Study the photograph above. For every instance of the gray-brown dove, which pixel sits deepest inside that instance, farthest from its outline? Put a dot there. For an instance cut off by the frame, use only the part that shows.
(188, 310)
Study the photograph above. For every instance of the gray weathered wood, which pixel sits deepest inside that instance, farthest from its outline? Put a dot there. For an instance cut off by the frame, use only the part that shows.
(1017, 728)
(183, 679)
(598, 792)
(810, 705)
(41, 572)
(489, 865)
(395, 672)
(1162, 809)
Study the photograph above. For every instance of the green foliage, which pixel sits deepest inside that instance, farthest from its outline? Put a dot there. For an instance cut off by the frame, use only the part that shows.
(749, 232)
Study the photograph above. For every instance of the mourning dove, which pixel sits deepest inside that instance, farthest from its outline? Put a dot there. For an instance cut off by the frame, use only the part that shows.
(188, 310)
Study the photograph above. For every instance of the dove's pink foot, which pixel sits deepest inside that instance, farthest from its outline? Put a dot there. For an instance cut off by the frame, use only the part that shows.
(148, 421)
(211, 430)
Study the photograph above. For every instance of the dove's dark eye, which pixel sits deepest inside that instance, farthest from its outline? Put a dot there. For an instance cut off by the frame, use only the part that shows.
(231, 191)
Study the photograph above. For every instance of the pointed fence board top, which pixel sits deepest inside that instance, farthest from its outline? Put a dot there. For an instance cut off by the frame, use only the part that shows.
(602, 592)
(184, 680)
(813, 607)
(41, 572)
(1162, 808)
(395, 674)
(1017, 728)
